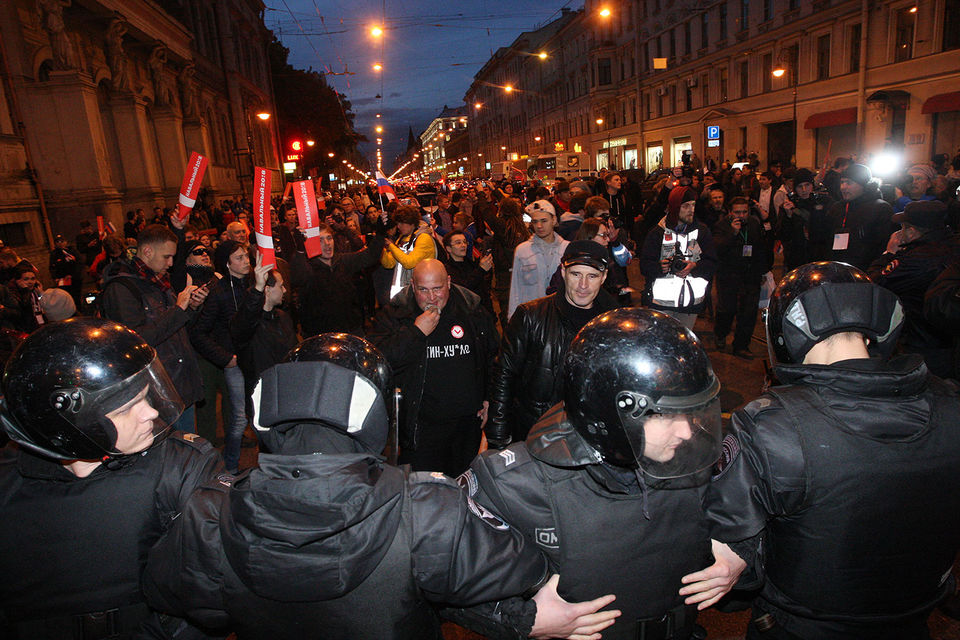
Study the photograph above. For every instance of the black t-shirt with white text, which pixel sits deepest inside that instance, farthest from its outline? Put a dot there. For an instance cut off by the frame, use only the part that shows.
(451, 389)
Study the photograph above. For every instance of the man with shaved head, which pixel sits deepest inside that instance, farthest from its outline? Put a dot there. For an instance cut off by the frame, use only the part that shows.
(441, 343)
(238, 232)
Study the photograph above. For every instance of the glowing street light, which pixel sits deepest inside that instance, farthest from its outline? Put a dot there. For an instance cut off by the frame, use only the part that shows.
(379, 129)
(605, 12)
(477, 105)
(508, 88)
(310, 143)
(330, 155)
(376, 32)
(537, 138)
(599, 121)
(263, 115)
(542, 55)
(377, 66)
(778, 72)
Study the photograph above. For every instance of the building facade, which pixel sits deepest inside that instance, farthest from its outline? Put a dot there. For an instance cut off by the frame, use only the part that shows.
(104, 100)
(637, 83)
(437, 155)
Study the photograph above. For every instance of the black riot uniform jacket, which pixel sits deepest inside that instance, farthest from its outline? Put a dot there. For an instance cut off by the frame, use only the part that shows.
(602, 531)
(74, 546)
(849, 476)
(340, 545)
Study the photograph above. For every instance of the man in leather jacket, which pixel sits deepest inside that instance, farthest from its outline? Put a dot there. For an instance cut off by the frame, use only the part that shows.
(838, 489)
(608, 483)
(326, 540)
(526, 379)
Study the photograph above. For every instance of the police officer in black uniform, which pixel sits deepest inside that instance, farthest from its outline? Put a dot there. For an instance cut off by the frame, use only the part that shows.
(609, 481)
(93, 480)
(325, 540)
(840, 488)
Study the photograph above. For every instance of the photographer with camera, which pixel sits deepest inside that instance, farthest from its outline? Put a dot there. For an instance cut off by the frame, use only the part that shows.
(802, 223)
(678, 260)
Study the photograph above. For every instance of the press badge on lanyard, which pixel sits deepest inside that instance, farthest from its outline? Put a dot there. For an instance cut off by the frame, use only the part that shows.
(747, 250)
(840, 241)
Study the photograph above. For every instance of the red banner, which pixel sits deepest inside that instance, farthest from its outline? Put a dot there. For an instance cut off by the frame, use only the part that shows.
(306, 199)
(100, 228)
(261, 215)
(286, 192)
(192, 178)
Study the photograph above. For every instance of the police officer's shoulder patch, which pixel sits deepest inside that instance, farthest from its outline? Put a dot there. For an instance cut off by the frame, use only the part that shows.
(468, 480)
(191, 440)
(489, 518)
(509, 459)
(729, 450)
(432, 477)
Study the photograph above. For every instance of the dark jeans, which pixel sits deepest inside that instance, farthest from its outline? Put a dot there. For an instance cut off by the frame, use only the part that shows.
(448, 446)
(736, 299)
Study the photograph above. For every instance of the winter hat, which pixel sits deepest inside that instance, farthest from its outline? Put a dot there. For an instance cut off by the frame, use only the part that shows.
(926, 214)
(801, 176)
(57, 304)
(678, 195)
(859, 173)
(925, 170)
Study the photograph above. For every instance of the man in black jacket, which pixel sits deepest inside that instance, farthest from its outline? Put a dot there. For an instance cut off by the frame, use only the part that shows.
(441, 343)
(94, 479)
(860, 223)
(914, 257)
(138, 295)
(839, 489)
(745, 253)
(326, 541)
(326, 284)
(527, 378)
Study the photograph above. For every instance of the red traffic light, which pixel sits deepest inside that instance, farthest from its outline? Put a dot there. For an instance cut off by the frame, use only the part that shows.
(296, 145)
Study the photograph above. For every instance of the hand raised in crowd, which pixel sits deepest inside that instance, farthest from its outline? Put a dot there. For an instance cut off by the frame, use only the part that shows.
(428, 320)
(893, 244)
(486, 262)
(704, 588)
(176, 222)
(557, 618)
(788, 208)
(260, 273)
(192, 296)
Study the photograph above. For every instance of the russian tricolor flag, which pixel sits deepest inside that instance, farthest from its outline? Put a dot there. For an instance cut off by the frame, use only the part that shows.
(383, 186)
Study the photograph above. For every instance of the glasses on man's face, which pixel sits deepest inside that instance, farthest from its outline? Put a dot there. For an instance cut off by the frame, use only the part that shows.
(198, 252)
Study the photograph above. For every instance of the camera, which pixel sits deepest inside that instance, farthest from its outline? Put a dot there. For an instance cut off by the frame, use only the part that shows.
(678, 263)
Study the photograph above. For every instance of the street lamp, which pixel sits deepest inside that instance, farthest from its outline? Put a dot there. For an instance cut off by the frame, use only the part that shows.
(263, 115)
(605, 12)
(785, 60)
(376, 32)
(508, 88)
(310, 143)
(377, 66)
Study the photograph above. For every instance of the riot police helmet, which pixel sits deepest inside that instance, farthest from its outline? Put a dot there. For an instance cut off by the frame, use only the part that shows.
(337, 380)
(820, 299)
(75, 390)
(639, 389)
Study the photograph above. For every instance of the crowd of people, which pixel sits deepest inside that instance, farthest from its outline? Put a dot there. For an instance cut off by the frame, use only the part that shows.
(493, 318)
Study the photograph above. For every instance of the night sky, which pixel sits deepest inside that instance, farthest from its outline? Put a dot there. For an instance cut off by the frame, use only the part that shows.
(425, 66)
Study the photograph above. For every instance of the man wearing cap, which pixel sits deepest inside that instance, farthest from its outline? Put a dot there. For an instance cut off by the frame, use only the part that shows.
(526, 378)
(917, 185)
(535, 260)
(914, 257)
(678, 260)
(860, 222)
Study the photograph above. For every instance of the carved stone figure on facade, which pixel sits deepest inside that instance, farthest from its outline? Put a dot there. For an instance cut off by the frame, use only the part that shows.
(51, 18)
(156, 62)
(116, 56)
(188, 91)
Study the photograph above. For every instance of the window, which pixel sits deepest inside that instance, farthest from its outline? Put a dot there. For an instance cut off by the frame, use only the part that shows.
(744, 79)
(723, 84)
(705, 30)
(744, 15)
(856, 32)
(767, 10)
(687, 37)
(704, 90)
(604, 71)
(792, 5)
(792, 54)
(823, 57)
(647, 101)
(951, 25)
(906, 21)
(767, 72)
(688, 96)
(723, 20)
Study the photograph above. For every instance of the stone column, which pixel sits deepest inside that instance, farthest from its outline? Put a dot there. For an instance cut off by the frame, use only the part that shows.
(140, 166)
(173, 154)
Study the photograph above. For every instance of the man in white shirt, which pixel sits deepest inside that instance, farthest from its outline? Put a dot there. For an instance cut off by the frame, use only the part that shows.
(536, 259)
